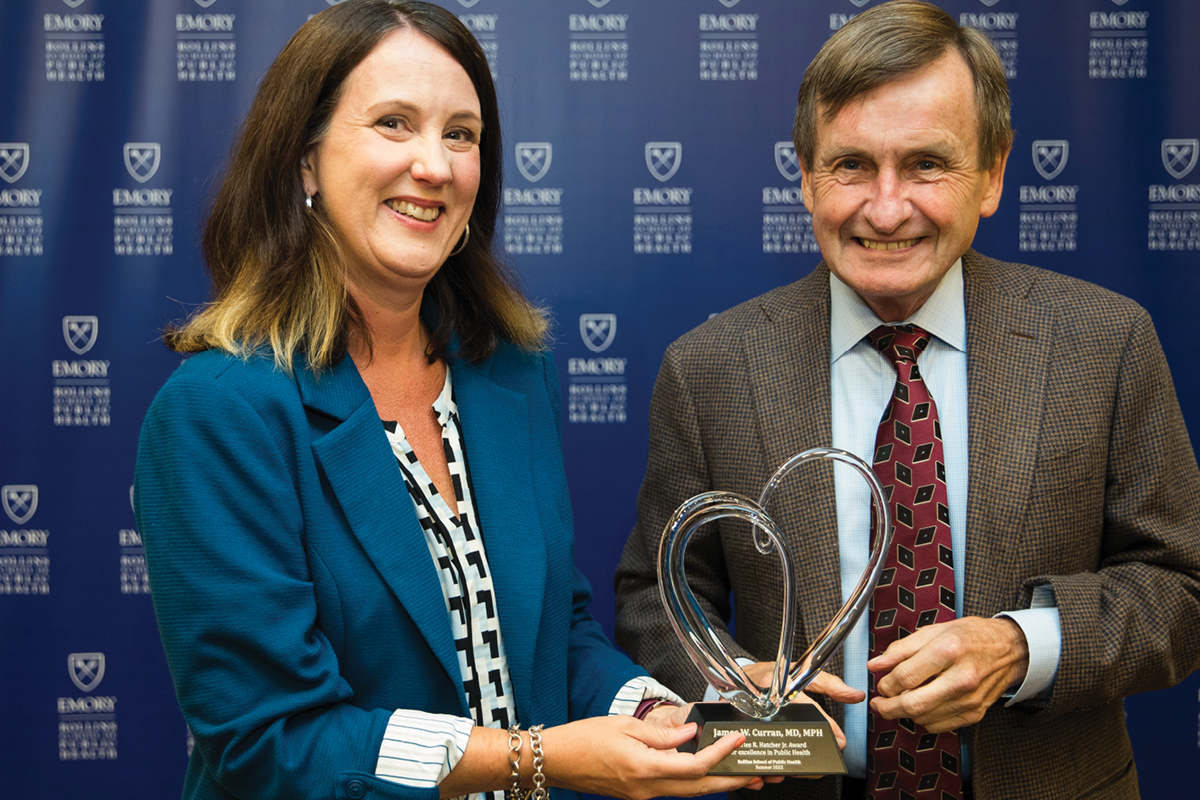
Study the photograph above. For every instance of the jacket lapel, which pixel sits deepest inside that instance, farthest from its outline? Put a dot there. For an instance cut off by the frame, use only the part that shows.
(496, 433)
(1009, 340)
(370, 491)
(789, 371)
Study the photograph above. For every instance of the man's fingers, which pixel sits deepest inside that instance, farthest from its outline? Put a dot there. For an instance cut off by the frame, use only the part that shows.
(951, 700)
(903, 649)
(933, 715)
(835, 688)
(914, 671)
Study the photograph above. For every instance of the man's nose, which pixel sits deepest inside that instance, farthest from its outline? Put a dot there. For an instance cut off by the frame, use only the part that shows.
(889, 206)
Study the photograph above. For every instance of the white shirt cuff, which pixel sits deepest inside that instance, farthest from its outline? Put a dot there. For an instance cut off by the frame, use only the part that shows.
(419, 749)
(638, 689)
(1043, 633)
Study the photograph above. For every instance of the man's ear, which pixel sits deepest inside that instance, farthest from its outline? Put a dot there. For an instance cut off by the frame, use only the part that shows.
(995, 185)
(806, 188)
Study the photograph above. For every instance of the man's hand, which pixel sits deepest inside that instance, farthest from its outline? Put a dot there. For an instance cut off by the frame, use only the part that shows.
(825, 683)
(946, 676)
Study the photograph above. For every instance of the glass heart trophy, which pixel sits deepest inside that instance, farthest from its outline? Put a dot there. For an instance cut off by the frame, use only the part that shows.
(782, 738)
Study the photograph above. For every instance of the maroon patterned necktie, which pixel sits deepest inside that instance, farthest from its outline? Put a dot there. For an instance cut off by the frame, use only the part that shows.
(917, 585)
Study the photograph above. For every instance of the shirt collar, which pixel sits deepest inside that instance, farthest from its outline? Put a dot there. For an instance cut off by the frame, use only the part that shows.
(944, 314)
(444, 406)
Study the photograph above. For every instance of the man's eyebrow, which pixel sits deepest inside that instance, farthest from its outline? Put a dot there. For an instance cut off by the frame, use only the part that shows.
(838, 153)
(942, 150)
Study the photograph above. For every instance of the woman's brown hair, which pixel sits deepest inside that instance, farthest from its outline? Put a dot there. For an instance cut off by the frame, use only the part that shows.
(276, 266)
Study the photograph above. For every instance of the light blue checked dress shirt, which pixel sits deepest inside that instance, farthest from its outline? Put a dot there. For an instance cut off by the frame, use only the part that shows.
(861, 385)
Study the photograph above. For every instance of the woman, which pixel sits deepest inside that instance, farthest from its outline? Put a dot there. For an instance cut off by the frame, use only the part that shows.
(370, 404)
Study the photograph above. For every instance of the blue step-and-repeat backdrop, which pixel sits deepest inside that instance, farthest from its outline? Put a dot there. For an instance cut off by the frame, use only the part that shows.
(650, 183)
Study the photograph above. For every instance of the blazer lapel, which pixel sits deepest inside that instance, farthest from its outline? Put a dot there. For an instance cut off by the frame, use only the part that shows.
(1008, 352)
(789, 371)
(496, 433)
(370, 490)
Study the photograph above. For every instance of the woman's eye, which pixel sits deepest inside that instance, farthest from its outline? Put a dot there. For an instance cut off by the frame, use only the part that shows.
(391, 123)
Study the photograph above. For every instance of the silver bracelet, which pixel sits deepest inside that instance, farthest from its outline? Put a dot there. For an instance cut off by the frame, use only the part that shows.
(514, 763)
(539, 761)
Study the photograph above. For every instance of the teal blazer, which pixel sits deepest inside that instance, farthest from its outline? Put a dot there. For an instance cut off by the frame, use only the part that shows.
(297, 600)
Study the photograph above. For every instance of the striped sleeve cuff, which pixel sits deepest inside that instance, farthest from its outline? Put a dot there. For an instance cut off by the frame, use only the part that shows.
(638, 689)
(419, 749)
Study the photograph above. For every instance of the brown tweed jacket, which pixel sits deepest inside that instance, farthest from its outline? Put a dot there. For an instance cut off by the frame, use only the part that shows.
(1081, 476)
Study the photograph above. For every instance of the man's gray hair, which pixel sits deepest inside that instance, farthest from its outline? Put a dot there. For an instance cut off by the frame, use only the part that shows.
(890, 41)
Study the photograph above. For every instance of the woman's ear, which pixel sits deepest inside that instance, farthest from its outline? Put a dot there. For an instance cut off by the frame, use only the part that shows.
(308, 172)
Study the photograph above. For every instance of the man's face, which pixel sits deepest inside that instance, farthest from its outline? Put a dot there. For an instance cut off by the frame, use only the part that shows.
(895, 190)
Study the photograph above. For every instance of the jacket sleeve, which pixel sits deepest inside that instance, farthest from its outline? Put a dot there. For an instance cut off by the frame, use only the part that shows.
(1132, 623)
(677, 469)
(258, 682)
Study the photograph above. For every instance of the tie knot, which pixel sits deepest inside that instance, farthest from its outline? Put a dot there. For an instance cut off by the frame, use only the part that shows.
(899, 342)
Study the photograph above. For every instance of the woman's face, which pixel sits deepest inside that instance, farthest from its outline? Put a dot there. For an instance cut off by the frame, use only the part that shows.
(398, 170)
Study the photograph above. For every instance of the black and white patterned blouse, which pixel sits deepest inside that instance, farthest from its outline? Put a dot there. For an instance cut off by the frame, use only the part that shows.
(420, 748)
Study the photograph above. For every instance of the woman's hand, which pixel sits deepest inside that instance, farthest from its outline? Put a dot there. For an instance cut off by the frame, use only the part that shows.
(674, 716)
(623, 757)
(669, 716)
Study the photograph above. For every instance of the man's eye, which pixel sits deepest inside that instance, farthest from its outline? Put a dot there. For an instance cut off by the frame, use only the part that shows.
(850, 163)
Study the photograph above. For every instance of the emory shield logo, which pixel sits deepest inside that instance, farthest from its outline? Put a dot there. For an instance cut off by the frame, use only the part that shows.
(467, 3)
(859, 3)
(730, 3)
(74, 3)
(14, 160)
(989, 3)
(20, 501)
(599, 3)
(1178, 156)
(80, 333)
(141, 159)
(786, 160)
(533, 159)
(205, 3)
(1050, 156)
(597, 330)
(1120, 2)
(663, 158)
(86, 669)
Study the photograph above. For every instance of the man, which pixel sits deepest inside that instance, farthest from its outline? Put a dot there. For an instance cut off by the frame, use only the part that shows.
(1067, 491)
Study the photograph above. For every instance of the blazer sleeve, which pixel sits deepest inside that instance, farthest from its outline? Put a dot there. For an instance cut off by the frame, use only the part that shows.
(1132, 623)
(219, 509)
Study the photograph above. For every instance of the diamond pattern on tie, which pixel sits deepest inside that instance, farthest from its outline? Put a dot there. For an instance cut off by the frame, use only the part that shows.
(903, 759)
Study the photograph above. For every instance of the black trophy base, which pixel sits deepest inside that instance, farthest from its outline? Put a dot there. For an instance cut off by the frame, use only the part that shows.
(798, 741)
